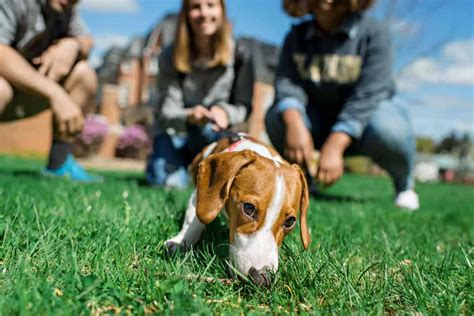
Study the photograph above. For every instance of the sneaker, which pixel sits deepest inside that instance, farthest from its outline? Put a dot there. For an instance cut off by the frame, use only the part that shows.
(72, 170)
(407, 199)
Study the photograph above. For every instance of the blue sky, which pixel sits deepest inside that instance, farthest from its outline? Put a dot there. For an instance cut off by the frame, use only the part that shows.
(434, 40)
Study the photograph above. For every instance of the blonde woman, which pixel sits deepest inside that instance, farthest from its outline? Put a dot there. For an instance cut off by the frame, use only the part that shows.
(204, 88)
(335, 91)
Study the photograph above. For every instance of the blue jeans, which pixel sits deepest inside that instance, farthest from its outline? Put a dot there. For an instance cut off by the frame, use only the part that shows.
(388, 139)
(171, 155)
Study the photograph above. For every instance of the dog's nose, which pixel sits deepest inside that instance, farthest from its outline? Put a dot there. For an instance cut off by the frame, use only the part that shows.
(261, 277)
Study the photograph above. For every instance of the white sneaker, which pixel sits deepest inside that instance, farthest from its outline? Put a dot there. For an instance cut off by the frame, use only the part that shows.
(407, 199)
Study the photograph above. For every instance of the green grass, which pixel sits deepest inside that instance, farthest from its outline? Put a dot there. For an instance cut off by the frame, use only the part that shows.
(67, 248)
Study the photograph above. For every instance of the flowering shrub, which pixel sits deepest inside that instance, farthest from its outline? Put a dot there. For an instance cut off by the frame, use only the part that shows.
(92, 136)
(133, 143)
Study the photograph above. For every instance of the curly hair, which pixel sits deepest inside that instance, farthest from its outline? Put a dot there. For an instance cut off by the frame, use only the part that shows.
(299, 8)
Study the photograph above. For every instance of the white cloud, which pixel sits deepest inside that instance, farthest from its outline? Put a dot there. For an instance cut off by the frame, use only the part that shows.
(460, 51)
(404, 28)
(455, 67)
(436, 115)
(125, 6)
(437, 127)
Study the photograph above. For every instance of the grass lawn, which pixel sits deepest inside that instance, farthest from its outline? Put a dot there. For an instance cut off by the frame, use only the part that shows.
(68, 248)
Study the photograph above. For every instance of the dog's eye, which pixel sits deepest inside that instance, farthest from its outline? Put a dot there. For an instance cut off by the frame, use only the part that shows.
(290, 222)
(249, 209)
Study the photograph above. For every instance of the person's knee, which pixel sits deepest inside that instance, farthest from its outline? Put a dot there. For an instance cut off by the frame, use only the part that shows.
(84, 76)
(391, 124)
(6, 94)
(275, 128)
(390, 143)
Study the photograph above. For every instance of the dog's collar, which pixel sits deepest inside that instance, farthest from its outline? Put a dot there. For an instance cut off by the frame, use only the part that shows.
(236, 140)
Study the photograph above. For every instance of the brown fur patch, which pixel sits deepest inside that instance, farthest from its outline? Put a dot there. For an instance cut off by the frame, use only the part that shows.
(235, 178)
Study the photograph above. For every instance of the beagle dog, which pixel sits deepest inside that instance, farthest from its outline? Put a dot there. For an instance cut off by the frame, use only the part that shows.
(261, 194)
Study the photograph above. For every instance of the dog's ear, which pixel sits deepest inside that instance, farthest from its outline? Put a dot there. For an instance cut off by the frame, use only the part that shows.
(194, 166)
(304, 204)
(214, 180)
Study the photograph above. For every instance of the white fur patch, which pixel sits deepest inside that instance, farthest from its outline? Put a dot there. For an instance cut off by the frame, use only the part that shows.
(260, 249)
(258, 148)
(192, 228)
(209, 150)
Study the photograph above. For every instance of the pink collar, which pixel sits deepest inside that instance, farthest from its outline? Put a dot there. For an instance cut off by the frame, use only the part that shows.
(233, 146)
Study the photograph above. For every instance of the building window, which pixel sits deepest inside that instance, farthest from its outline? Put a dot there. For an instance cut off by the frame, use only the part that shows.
(122, 96)
(153, 66)
(126, 67)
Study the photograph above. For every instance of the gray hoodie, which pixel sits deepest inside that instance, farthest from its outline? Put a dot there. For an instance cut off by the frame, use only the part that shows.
(202, 86)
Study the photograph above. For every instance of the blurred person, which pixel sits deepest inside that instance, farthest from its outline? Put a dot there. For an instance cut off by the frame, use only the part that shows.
(204, 88)
(335, 92)
(296, 8)
(43, 51)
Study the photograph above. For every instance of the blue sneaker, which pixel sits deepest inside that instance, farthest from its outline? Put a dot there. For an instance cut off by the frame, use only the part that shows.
(72, 170)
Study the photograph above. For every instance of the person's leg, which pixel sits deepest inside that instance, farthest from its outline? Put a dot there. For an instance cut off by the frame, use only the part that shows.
(199, 137)
(6, 94)
(390, 142)
(81, 85)
(275, 129)
(318, 123)
(167, 164)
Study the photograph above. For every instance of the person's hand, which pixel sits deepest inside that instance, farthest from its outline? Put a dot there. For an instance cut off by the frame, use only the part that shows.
(299, 145)
(57, 62)
(199, 115)
(331, 162)
(67, 116)
(331, 166)
(220, 118)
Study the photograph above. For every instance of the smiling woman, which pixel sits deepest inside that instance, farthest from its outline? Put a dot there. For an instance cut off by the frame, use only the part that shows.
(203, 90)
(203, 34)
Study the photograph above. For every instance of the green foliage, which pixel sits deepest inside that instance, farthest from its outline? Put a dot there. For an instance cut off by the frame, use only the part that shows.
(425, 145)
(67, 248)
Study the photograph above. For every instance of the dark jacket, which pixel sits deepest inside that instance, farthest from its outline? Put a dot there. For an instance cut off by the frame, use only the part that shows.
(342, 76)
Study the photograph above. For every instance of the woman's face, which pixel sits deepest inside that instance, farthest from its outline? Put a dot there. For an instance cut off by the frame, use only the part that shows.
(205, 16)
(333, 10)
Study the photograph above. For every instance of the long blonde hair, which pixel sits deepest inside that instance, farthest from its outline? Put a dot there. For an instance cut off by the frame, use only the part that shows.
(185, 49)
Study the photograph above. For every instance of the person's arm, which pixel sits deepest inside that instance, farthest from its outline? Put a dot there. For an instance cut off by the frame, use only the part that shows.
(16, 70)
(289, 93)
(375, 83)
(78, 31)
(85, 44)
(291, 101)
(240, 103)
(331, 161)
(170, 111)
(59, 59)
